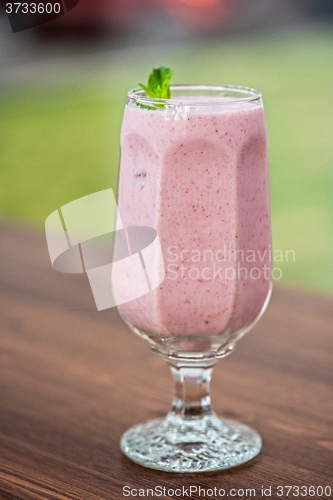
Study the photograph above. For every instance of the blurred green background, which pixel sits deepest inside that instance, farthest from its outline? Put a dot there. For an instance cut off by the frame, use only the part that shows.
(59, 139)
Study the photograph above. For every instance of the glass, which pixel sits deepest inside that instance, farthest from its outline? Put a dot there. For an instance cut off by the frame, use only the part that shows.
(194, 168)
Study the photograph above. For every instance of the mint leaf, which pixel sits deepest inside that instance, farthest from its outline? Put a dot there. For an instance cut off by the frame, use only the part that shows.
(158, 85)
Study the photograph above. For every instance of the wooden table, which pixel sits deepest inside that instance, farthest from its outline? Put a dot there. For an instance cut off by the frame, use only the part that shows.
(73, 380)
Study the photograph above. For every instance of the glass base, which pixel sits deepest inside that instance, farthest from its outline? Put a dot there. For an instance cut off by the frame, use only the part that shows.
(174, 444)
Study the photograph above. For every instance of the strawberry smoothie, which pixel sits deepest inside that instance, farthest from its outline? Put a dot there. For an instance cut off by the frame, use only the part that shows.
(196, 171)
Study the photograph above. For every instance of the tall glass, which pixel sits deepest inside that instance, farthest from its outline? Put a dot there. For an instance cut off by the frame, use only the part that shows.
(194, 168)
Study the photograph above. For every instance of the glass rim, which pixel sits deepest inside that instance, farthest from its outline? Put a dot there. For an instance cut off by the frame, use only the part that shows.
(250, 95)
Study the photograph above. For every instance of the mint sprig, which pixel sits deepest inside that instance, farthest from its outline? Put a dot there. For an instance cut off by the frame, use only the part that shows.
(158, 85)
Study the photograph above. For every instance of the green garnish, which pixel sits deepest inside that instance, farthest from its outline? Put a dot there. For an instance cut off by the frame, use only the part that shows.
(158, 85)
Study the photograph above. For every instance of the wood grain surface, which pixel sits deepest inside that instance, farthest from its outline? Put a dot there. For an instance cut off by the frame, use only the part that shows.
(72, 380)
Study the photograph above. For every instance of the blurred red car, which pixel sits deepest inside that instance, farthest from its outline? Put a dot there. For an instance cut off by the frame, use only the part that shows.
(112, 16)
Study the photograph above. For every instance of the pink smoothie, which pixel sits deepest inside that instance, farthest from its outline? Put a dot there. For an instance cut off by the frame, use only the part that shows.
(198, 175)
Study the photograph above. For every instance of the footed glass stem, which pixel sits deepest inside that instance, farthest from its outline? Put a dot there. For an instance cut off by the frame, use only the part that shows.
(191, 438)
